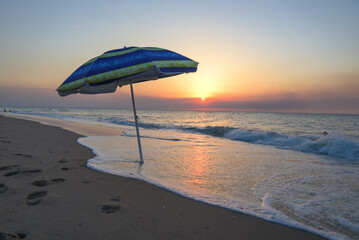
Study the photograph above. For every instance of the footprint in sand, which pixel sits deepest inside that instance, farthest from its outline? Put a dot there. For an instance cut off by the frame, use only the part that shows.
(12, 173)
(35, 197)
(11, 236)
(110, 208)
(58, 180)
(8, 167)
(114, 206)
(3, 188)
(64, 161)
(40, 183)
(43, 183)
(18, 172)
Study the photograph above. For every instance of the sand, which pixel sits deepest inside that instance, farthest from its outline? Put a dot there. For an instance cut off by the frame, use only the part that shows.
(47, 192)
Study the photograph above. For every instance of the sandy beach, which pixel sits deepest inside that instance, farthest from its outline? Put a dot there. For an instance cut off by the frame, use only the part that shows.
(47, 192)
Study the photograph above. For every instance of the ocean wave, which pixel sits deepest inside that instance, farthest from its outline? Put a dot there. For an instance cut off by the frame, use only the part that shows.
(121, 121)
(333, 144)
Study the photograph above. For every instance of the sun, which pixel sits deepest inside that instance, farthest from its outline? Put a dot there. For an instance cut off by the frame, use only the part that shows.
(203, 98)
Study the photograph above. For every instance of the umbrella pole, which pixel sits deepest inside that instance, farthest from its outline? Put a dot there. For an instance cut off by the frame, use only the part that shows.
(138, 132)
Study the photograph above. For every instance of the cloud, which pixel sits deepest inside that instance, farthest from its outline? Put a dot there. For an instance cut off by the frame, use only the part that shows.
(294, 104)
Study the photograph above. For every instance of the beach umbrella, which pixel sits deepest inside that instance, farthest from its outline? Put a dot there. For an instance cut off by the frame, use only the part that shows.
(125, 66)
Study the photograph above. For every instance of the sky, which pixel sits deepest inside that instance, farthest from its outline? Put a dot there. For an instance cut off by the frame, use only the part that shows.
(267, 56)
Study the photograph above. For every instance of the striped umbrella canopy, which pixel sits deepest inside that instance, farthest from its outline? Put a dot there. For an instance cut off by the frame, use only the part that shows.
(119, 67)
(125, 66)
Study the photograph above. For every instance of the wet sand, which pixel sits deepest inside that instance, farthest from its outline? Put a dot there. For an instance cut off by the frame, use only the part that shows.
(47, 192)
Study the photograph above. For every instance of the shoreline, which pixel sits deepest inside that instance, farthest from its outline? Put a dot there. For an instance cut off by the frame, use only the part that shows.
(85, 204)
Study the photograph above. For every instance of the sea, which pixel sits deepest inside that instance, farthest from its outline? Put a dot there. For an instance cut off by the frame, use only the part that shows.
(296, 169)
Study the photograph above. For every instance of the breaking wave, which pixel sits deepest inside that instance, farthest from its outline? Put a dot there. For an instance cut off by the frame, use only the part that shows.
(333, 144)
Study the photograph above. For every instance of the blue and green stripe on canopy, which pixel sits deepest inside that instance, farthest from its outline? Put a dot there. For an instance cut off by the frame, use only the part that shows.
(118, 67)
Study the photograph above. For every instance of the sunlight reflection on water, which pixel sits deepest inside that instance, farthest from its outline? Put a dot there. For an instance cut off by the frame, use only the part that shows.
(271, 183)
